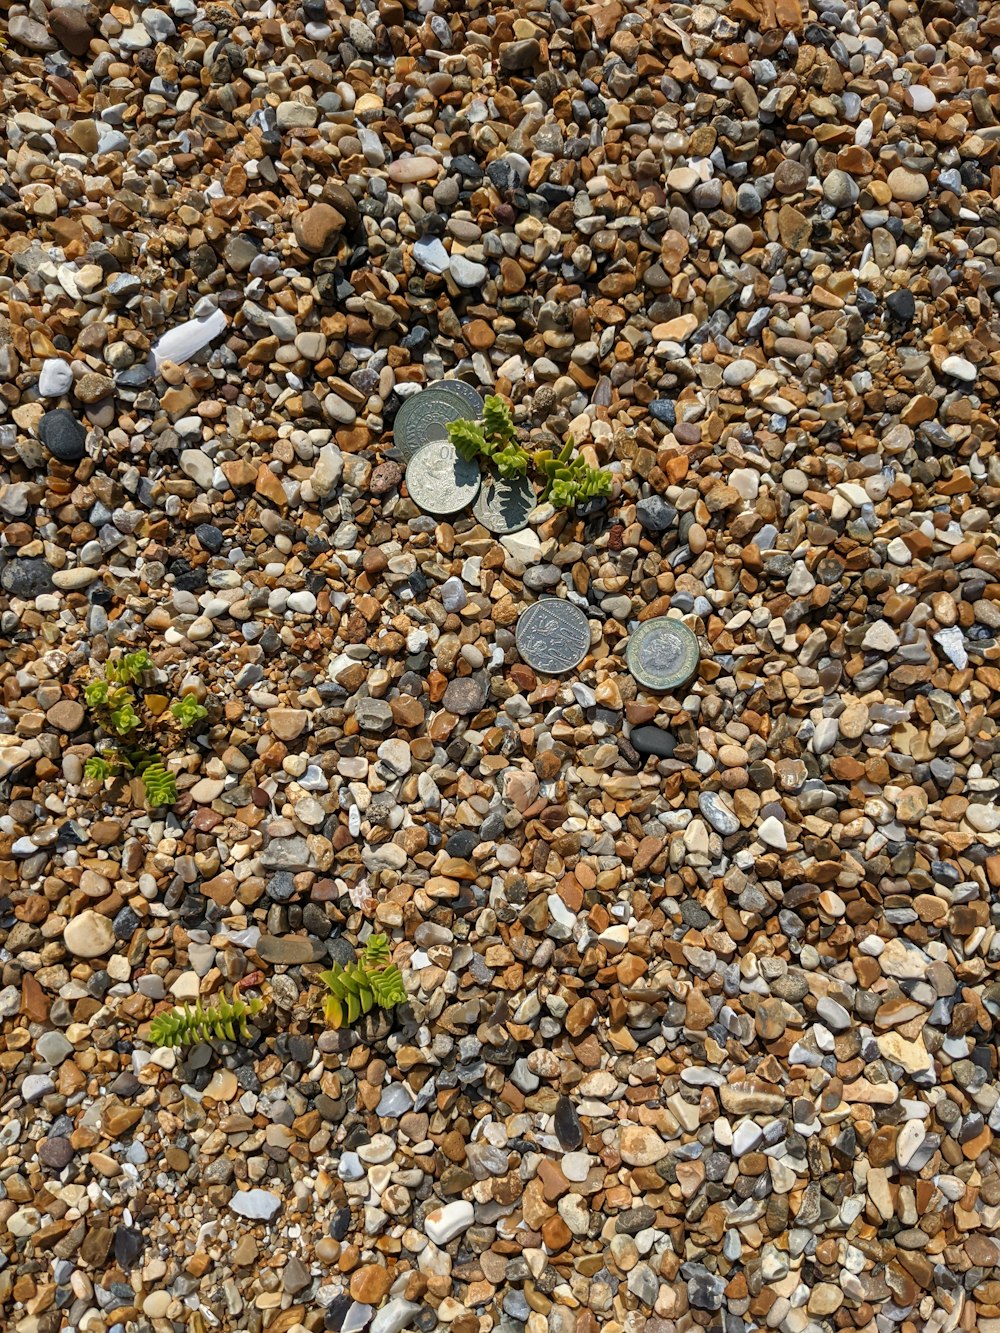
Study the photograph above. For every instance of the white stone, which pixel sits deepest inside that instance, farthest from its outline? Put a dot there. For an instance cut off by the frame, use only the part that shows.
(395, 1316)
(328, 471)
(524, 546)
(198, 467)
(880, 638)
(444, 1223)
(911, 1136)
(187, 339)
(959, 368)
(431, 255)
(88, 935)
(56, 378)
(258, 1205)
(772, 832)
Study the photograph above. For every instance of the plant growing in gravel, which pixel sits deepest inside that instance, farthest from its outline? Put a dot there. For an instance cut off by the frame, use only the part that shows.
(183, 1025)
(493, 437)
(138, 720)
(570, 480)
(566, 480)
(355, 989)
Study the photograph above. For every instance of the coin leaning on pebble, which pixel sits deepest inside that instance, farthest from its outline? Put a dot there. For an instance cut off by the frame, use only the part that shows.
(504, 503)
(662, 654)
(553, 636)
(425, 416)
(439, 481)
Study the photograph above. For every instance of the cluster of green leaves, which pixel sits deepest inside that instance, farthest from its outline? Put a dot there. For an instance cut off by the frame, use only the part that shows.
(567, 480)
(226, 1020)
(358, 987)
(493, 438)
(137, 719)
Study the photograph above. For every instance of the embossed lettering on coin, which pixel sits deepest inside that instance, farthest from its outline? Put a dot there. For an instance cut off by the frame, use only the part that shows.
(553, 636)
(424, 418)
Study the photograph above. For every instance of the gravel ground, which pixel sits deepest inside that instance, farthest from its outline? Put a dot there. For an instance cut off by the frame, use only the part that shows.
(703, 985)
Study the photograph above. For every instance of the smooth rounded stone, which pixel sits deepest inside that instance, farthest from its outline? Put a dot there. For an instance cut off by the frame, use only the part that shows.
(56, 1152)
(89, 935)
(840, 189)
(909, 186)
(466, 272)
(464, 696)
(653, 740)
(961, 369)
(63, 436)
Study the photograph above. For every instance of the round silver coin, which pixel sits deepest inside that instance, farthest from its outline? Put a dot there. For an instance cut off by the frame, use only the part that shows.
(504, 504)
(424, 418)
(553, 636)
(662, 654)
(439, 481)
(459, 388)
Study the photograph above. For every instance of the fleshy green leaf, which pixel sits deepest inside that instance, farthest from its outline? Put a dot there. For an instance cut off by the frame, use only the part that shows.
(98, 768)
(188, 711)
(183, 1025)
(467, 438)
(497, 419)
(159, 782)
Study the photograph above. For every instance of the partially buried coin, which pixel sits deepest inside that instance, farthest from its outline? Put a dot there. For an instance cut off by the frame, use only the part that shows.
(662, 654)
(439, 481)
(553, 636)
(504, 504)
(424, 418)
(459, 389)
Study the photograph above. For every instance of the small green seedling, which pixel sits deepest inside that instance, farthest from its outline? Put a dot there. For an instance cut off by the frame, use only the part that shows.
(360, 986)
(567, 480)
(137, 720)
(227, 1021)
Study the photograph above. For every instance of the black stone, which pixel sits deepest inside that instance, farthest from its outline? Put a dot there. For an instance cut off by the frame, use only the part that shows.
(341, 1223)
(128, 1246)
(655, 514)
(125, 924)
(27, 578)
(63, 436)
(281, 887)
(901, 305)
(569, 1131)
(462, 842)
(336, 1312)
(653, 740)
(211, 538)
(665, 410)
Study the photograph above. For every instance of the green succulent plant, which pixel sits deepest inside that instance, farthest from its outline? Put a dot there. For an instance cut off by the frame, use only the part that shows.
(137, 722)
(567, 480)
(227, 1021)
(356, 988)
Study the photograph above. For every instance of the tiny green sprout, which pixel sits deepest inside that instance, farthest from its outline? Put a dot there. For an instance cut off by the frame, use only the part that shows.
(356, 988)
(226, 1021)
(188, 711)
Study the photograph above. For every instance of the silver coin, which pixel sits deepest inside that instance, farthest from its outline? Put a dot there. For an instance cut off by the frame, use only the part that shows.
(504, 504)
(662, 654)
(424, 418)
(553, 636)
(439, 481)
(459, 388)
